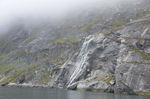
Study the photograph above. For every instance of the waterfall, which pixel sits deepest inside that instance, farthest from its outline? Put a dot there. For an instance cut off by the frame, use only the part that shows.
(81, 59)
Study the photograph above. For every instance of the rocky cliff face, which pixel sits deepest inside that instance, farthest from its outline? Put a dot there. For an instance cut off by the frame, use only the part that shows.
(110, 53)
(117, 62)
(132, 70)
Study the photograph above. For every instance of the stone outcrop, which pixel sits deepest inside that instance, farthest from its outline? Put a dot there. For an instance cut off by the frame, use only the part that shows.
(133, 62)
(118, 62)
(108, 51)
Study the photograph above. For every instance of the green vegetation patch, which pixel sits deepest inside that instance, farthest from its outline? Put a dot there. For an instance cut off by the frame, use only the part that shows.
(145, 71)
(130, 38)
(32, 37)
(116, 28)
(68, 41)
(5, 68)
(138, 63)
(143, 94)
(59, 60)
(14, 76)
(44, 79)
(20, 52)
(107, 79)
(1, 77)
(144, 55)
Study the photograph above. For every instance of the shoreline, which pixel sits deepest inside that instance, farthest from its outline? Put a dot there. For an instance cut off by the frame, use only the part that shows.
(26, 85)
(29, 85)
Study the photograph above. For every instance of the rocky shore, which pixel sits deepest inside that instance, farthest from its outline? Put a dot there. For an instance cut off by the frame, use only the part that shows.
(95, 53)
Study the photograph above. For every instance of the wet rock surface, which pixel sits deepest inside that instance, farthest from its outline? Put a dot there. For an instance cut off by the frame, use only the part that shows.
(132, 70)
(121, 65)
(110, 54)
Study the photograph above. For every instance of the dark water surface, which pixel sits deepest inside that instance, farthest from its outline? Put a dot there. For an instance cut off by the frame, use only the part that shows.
(45, 93)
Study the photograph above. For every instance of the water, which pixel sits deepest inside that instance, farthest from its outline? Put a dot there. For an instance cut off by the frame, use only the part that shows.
(45, 93)
(81, 59)
(81, 64)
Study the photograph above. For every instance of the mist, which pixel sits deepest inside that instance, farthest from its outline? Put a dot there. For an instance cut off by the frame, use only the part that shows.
(38, 10)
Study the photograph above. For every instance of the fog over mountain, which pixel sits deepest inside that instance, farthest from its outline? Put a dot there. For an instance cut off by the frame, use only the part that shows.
(38, 10)
(100, 45)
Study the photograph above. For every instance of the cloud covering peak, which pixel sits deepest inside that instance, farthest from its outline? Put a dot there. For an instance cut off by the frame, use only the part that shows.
(41, 9)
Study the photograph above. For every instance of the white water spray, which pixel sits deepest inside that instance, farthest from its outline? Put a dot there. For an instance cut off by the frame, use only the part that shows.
(82, 57)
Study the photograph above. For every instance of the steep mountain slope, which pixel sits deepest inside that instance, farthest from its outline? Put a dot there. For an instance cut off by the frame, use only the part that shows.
(117, 62)
(104, 49)
(132, 71)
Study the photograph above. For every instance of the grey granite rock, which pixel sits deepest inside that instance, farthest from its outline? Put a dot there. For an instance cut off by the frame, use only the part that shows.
(108, 51)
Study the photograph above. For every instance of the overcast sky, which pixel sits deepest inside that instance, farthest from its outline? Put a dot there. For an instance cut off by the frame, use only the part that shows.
(9, 8)
(15, 9)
